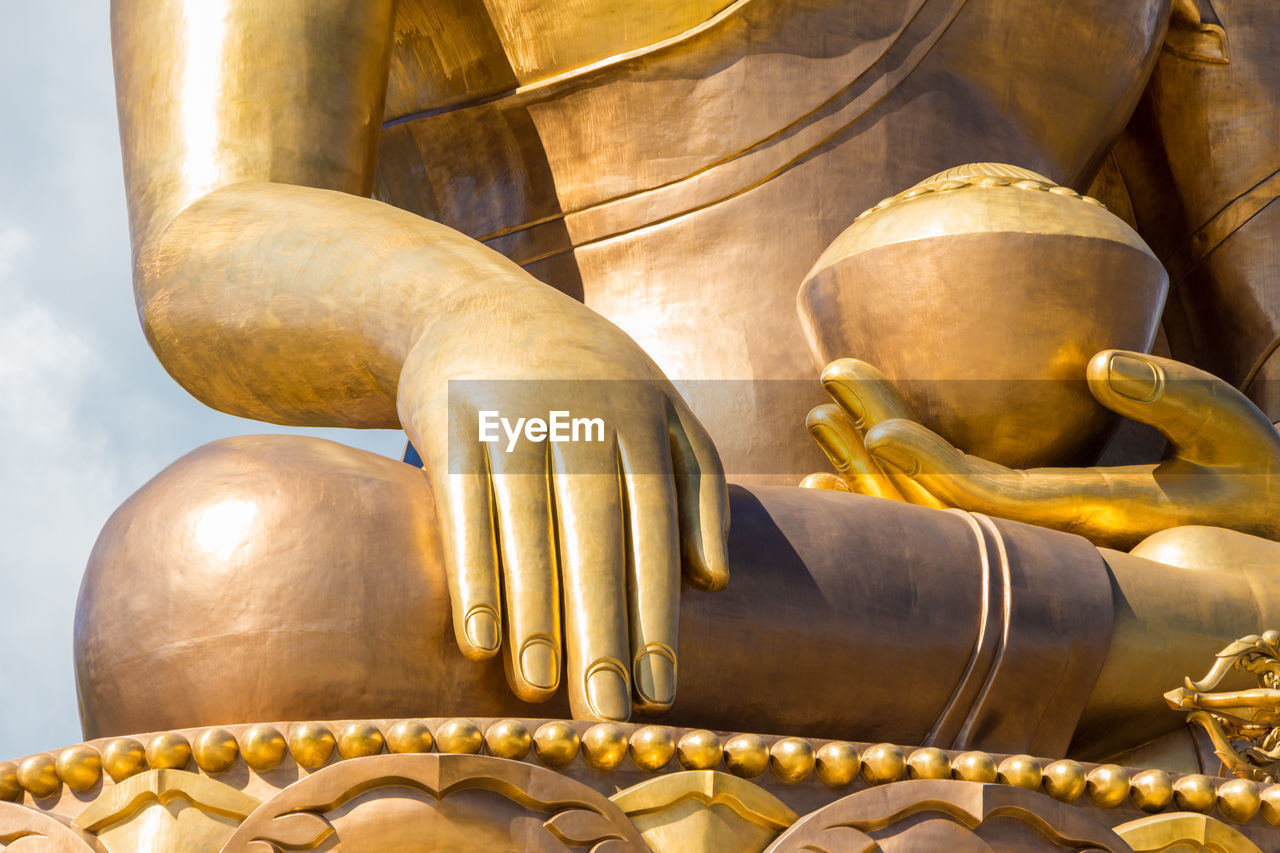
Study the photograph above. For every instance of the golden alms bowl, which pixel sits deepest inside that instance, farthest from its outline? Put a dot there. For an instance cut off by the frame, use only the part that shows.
(983, 292)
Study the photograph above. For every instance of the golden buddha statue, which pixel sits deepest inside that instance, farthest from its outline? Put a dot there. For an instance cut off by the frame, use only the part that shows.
(571, 205)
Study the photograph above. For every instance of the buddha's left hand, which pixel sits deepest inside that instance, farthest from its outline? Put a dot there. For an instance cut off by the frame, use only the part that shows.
(1223, 468)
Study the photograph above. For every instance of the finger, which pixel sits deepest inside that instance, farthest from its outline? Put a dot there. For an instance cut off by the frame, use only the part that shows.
(925, 458)
(588, 507)
(867, 395)
(470, 554)
(869, 398)
(702, 498)
(1205, 419)
(842, 445)
(913, 492)
(653, 570)
(824, 480)
(1112, 505)
(531, 587)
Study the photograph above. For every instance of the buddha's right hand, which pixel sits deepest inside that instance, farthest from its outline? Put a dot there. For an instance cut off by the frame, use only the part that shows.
(310, 307)
(1223, 469)
(602, 523)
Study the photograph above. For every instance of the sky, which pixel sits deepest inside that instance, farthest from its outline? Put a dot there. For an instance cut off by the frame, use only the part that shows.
(87, 414)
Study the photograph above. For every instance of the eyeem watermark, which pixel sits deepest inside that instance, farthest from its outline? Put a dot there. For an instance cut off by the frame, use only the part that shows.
(559, 426)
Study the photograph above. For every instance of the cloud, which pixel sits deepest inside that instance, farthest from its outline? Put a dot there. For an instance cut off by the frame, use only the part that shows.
(82, 425)
(42, 362)
(59, 482)
(87, 414)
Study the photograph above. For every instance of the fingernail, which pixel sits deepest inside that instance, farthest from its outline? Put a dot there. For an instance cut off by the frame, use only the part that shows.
(716, 558)
(848, 399)
(655, 672)
(897, 459)
(821, 434)
(608, 693)
(719, 577)
(1134, 378)
(482, 628)
(539, 663)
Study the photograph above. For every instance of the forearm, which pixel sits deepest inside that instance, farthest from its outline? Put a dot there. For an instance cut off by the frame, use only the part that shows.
(300, 306)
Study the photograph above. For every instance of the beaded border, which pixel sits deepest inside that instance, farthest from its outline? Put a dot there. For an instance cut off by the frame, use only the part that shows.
(651, 748)
(933, 186)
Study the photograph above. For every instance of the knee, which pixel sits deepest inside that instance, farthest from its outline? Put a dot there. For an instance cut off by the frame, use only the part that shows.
(262, 577)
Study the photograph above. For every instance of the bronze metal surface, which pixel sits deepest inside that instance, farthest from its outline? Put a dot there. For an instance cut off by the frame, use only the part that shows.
(268, 291)
(1244, 725)
(924, 278)
(1222, 468)
(623, 193)
(1200, 166)
(1178, 591)
(999, 633)
(451, 798)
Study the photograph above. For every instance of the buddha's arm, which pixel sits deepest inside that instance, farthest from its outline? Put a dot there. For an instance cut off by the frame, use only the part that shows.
(270, 288)
(235, 116)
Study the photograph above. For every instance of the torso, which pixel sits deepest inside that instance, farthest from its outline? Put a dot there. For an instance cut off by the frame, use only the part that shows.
(680, 169)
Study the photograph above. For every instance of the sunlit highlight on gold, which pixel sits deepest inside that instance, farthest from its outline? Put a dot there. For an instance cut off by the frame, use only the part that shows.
(206, 29)
(221, 528)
